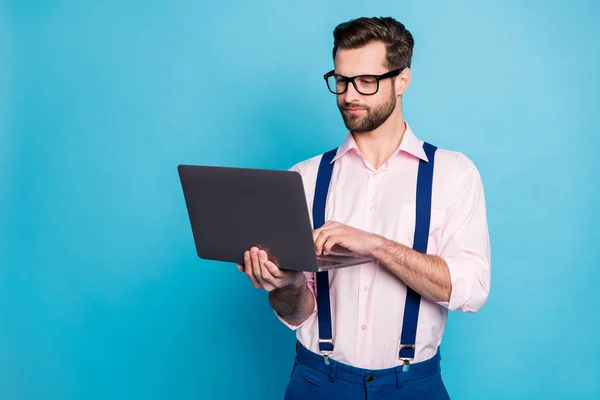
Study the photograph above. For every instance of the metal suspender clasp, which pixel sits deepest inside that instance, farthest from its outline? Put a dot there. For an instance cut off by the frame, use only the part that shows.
(406, 365)
(406, 360)
(326, 353)
(407, 347)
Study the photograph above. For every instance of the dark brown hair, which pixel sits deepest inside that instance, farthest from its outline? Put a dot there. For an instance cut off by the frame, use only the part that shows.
(359, 32)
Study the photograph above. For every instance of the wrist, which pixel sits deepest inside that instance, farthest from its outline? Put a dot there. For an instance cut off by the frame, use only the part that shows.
(376, 246)
(299, 281)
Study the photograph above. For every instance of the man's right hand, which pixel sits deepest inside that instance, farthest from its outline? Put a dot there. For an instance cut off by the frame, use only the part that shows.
(264, 274)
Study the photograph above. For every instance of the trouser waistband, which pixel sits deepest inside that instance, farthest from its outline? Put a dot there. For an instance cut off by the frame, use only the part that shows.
(338, 370)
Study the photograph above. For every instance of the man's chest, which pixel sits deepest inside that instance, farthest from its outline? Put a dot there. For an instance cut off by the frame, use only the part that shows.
(382, 203)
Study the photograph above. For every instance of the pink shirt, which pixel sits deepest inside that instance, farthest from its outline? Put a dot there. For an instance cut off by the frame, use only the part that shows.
(367, 301)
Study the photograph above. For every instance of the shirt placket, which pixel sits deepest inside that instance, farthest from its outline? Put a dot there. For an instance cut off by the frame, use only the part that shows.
(365, 328)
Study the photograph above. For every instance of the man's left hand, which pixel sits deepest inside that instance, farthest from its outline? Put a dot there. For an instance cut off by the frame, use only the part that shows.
(342, 236)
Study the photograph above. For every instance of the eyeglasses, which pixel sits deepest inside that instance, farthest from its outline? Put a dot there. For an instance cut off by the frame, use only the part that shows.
(364, 84)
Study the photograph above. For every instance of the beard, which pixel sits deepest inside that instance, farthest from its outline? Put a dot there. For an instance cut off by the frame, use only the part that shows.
(369, 120)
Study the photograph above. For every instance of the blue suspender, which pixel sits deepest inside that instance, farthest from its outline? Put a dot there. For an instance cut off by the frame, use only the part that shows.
(421, 238)
(422, 223)
(323, 305)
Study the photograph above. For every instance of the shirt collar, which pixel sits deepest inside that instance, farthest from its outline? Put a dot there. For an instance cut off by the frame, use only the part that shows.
(410, 144)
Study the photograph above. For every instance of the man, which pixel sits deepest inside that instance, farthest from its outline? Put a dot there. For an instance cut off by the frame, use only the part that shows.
(374, 330)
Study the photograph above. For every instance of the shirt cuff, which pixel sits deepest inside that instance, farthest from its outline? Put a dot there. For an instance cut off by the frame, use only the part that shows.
(461, 279)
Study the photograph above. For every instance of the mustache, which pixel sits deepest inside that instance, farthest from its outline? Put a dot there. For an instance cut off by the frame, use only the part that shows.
(354, 105)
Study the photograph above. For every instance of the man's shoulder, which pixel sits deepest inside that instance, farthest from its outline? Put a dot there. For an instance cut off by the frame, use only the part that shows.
(308, 166)
(308, 170)
(454, 171)
(454, 160)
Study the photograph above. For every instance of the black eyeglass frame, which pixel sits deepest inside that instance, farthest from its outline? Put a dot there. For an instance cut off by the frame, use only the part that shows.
(347, 80)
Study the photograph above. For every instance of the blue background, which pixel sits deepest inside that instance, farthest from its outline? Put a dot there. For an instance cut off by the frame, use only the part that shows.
(101, 293)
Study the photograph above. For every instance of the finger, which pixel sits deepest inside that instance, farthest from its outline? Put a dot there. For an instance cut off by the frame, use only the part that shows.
(269, 288)
(265, 274)
(339, 249)
(273, 282)
(319, 239)
(256, 265)
(273, 270)
(249, 271)
(241, 268)
(270, 282)
(329, 243)
(322, 238)
(320, 230)
(316, 234)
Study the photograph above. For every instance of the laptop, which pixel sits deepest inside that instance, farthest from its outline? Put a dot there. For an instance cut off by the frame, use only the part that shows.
(233, 209)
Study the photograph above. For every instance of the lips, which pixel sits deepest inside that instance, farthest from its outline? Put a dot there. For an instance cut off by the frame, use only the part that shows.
(355, 110)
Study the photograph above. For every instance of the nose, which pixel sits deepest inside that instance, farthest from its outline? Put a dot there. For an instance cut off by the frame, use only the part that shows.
(351, 95)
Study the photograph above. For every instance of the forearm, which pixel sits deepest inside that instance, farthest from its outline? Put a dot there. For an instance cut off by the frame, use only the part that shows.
(294, 303)
(426, 274)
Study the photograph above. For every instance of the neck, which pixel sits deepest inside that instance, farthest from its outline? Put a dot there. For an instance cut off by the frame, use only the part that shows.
(378, 145)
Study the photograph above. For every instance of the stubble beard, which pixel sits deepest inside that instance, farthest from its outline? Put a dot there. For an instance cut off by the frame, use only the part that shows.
(370, 120)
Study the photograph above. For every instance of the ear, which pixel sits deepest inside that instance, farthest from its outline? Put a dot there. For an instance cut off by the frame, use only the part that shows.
(402, 81)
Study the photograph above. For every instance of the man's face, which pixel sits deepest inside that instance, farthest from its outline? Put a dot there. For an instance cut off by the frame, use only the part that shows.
(364, 113)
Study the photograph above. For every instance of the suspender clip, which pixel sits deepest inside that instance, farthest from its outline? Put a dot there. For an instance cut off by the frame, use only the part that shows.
(326, 353)
(406, 360)
(406, 365)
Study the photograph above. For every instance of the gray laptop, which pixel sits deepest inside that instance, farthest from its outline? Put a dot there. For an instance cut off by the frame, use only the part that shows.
(233, 209)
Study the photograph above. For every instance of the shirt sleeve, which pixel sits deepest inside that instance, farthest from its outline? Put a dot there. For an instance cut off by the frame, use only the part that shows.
(310, 283)
(465, 245)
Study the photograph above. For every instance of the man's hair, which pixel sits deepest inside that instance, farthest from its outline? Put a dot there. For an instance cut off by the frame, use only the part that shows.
(359, 32)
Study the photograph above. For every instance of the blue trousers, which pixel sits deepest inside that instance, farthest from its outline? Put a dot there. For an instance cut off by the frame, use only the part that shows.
(312, 379)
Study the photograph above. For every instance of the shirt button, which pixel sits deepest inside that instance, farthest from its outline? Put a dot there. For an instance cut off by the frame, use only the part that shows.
(363, 327)
(366, 288)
